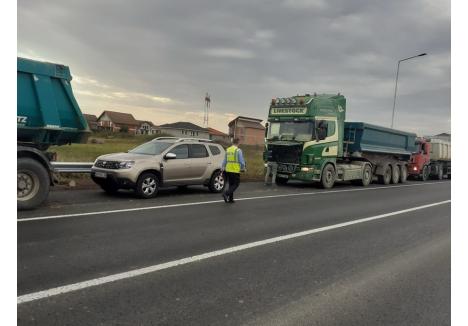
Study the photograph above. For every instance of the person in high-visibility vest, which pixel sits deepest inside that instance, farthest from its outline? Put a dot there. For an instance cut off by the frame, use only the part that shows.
(233, 165)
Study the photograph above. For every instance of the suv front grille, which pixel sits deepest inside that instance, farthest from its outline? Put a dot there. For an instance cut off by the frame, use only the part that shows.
(107, 164)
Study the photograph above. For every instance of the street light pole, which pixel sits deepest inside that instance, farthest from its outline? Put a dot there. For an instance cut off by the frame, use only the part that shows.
(396, 82)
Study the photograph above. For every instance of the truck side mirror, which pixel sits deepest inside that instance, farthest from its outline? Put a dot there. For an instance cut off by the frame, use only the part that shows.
(321, 130)
(266, 129)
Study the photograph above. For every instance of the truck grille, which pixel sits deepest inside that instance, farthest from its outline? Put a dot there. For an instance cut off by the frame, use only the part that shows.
(285, 153)
(107, 164)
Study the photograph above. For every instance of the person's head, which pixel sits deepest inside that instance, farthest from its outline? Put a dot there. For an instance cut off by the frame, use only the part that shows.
(235, 141)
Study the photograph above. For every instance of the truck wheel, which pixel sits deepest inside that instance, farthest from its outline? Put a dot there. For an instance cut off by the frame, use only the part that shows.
(425, 173)
(440, 175)
(366, 177)
(147, 185)
(281, 181)
(217, 182)
(395, 174)
(33, 183)
(387, 175)
(328, 176)
(403, 173)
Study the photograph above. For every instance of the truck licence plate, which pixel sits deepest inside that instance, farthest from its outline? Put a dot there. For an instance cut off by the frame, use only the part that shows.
(282, 175)
(100, 174)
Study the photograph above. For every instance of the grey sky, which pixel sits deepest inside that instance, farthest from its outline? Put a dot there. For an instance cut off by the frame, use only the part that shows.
(156, 59)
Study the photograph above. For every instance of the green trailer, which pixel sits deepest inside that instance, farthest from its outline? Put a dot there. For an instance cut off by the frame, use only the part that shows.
(47, 114)
(308, 139)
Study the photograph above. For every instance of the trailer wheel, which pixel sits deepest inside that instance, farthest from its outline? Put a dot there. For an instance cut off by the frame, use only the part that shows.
(33, 183)
(395, 174)
(403, 173)
(387, 175)
(328, 176)
(425, 173)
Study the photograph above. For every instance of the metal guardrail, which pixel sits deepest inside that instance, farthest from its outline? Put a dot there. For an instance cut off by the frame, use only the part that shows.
(72, 167)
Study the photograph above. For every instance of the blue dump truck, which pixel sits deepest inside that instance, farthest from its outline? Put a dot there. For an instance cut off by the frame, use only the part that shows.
(308, 139)
(47, 114)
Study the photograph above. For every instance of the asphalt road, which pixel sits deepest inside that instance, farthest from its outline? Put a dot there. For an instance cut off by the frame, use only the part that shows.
(187, 258)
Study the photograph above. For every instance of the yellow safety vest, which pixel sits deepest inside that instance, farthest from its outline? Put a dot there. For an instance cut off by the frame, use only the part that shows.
(232, 163)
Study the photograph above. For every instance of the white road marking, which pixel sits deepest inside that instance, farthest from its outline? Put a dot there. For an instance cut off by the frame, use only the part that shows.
(150, 269)
(39, 218)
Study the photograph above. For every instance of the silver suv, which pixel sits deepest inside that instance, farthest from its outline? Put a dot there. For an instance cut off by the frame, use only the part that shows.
(164, 161)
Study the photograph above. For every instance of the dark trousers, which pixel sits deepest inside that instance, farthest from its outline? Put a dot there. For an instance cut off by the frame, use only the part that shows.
(234, 181)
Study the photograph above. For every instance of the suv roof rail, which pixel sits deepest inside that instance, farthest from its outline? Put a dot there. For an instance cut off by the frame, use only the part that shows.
(201, 140)
(162, 138)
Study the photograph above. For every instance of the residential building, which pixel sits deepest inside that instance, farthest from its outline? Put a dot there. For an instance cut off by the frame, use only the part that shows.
(249, 131)
(218, 136)
(146, 128)
(117, 121)
(91, 119)
(184, 129)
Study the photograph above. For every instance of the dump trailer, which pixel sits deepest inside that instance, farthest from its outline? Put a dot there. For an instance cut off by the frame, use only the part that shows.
(47, 114)
(431, 159)
(308, 139)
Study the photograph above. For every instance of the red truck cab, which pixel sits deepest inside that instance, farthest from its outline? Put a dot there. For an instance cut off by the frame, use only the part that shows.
(420, 160)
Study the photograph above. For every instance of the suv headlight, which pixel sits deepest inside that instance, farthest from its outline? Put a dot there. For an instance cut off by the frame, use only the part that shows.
(126, 164)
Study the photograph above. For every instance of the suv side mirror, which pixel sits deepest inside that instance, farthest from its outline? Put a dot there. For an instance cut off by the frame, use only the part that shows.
(170, 156)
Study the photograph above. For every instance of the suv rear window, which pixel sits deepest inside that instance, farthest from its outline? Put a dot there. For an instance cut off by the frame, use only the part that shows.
(214, 150)
(198, 151)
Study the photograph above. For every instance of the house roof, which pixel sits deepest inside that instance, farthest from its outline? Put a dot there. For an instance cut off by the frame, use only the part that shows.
(247, 122)
(215, 132)
(140, 122)
(183, 125)
(120, 118)
(90, 117)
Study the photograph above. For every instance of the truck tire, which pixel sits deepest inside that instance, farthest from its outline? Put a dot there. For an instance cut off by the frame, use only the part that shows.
(387, 175)
(33, 183)
(217, 182)
(425, 173)
(440, 174)
(328, 176)
(403, 173)
(366, 177)
(147, 185)
(281, 181)
(395, 174)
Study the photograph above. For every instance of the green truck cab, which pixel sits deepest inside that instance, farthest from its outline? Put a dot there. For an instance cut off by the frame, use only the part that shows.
(47, 114)
(308, 139)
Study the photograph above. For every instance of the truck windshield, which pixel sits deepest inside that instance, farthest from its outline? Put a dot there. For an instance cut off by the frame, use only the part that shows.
(150, 148)
(291, 130)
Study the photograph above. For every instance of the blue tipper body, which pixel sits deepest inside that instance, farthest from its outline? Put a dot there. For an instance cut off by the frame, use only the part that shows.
(365, 137)
(47, 111)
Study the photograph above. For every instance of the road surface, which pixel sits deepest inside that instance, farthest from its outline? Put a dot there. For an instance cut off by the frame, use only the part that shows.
(292, 255)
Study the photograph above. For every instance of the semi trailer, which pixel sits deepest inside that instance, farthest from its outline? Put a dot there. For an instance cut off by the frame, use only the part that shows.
(308, 139)
(47, 114)
(431, 159)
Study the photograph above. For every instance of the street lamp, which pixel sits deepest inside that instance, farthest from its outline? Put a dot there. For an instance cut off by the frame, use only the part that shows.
(396, 81)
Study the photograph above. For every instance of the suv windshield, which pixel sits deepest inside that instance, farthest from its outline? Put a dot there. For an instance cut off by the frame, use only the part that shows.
(150, 148)
(291, 130)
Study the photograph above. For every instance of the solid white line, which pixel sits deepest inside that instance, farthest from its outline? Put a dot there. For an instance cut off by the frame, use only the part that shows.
(141, 271)
(39, 218)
